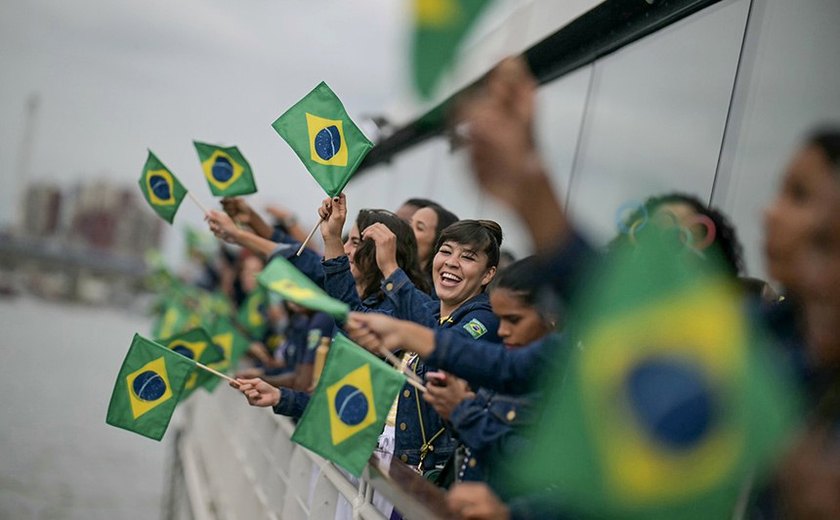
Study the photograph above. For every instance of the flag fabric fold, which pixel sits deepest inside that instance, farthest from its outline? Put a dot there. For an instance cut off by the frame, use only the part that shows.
(324, 137)
(195, 345)
(286, 280)
(349, 406)
(227, 172)
(149, 385)
(161, 188)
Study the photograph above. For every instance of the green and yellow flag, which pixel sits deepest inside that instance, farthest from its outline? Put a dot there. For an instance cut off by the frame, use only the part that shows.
(148, 387)
(195, 345)
(233, 345)
(162, 190)
(227, 172)
(252, 315)
(671, 402)
(283, 278)
(440, 25)
(349, 406)
(175, 318)
(324, 137)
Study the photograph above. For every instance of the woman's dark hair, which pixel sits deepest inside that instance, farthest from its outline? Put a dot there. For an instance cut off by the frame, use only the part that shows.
(418, 203)
(522, 278)
(519, 278)
(725, 237)
(365, 257)
(483, 235)
(827, 139)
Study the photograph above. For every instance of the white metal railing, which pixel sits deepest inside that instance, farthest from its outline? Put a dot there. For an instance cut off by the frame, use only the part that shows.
(234, 461)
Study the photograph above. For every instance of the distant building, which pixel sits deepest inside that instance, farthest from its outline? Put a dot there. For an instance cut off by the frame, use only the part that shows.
(41, 210)
(112, 217)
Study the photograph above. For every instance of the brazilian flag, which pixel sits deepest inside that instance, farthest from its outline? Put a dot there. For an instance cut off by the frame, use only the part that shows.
(440, 25)
(227, 172)
(350, 403)
(147, 389)
(233, 345)
(252, 315)
(174, 319)
(195, 345)
(286, 280)
(162, 190)
(324, 137)
(669, 404)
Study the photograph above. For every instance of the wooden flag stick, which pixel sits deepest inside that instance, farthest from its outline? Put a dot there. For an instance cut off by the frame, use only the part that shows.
(197, 203)
(420, 388)
(309, 237)
(216, 373)
(413, 379)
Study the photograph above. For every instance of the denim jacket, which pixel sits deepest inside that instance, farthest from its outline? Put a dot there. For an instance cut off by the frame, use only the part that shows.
(485, 424)
(466, 321)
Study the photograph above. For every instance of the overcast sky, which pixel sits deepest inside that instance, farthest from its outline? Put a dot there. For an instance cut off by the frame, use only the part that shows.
(116, 77)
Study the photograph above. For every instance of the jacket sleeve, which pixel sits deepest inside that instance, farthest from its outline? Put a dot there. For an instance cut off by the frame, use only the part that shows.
(309, 263)
(491, 365)
(339, 283)
(475, 427)
(409, 302)
(292, 403)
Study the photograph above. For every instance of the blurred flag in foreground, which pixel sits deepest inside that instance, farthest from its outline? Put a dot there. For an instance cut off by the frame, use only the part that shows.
(670, 405)
(349, 406)
(148, 387)
(195, 345)
(439, 27)
(227, 172)
(324, 137)
(161, 188)
(284, 278)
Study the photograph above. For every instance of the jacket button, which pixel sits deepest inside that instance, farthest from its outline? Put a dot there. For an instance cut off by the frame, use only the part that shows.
(406, 393)
(473, 463)
(403, 426)
(404, 457)
(389, 286)
(511, 415)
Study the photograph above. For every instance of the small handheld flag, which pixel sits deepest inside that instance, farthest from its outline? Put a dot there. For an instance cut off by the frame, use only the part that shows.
(147, 389)
(227, 172)
(350, 403)
(233, 344)
(324, 137)
(284, 278)
(252, 314)
(161, 188)
(195, 345)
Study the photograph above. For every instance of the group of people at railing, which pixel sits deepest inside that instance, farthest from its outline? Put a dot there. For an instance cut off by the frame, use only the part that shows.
(483, 332)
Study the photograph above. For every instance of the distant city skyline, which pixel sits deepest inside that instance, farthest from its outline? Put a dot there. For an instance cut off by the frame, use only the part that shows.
(116, 78)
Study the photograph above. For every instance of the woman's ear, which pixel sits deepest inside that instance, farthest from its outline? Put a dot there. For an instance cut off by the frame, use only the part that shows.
(488, 276)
